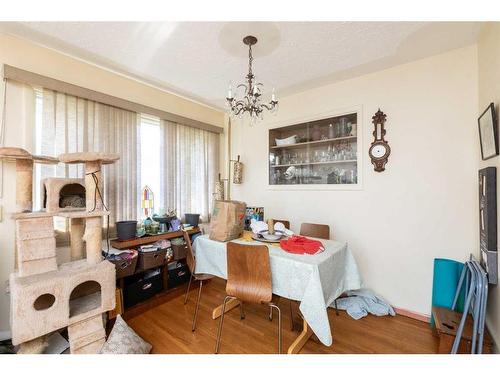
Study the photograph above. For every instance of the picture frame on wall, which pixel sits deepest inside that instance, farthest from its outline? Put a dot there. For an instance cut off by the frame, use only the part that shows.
(488, 133)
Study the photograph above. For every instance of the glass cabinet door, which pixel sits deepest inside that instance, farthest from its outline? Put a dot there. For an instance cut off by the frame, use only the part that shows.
(317, 152)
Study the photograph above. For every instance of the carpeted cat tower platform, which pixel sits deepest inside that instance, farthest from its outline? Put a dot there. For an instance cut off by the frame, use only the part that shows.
(46, 297)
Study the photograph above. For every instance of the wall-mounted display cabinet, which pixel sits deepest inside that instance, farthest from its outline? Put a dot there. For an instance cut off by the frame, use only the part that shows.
(321, 152)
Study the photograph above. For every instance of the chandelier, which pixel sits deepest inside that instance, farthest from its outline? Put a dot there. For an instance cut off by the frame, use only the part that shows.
(252, 100)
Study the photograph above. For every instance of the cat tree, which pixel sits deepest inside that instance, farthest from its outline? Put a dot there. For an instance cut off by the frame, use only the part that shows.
(46, 297)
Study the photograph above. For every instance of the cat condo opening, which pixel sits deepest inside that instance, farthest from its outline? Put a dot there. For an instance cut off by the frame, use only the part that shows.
(63, 194)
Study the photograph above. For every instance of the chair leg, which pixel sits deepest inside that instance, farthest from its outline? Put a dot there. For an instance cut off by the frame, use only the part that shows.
(336, 308)
(276, 300)
(219, 331)
(272, 305)
(242, 311)
(291, 316)
(456, 341)
(197, 307)
(187, 290)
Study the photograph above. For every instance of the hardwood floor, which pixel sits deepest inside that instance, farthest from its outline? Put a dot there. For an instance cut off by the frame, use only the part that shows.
(168, 328)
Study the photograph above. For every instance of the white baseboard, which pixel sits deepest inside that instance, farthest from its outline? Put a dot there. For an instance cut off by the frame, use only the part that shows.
(412, 314)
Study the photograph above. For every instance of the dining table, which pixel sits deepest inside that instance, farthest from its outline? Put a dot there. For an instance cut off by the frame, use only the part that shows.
(313, 280)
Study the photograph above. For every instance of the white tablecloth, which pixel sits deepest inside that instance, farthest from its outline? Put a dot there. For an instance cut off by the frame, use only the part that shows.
(314, 280)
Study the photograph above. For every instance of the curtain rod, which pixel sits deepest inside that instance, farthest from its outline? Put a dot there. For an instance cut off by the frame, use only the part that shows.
(24, 76)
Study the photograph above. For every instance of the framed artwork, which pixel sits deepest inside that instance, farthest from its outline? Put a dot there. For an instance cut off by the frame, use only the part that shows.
(488, 133)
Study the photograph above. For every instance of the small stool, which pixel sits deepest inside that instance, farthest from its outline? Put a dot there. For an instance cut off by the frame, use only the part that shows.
(446, 324)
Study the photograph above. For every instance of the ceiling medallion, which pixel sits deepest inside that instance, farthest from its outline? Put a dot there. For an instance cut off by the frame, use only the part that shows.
(251, 102)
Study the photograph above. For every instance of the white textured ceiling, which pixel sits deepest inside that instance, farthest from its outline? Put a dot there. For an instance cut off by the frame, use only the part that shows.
(199, 59)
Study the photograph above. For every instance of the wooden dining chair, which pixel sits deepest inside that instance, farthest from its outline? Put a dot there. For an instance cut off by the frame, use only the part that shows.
(286, 223)
(201, 277)
(315, 230)
(248, 280)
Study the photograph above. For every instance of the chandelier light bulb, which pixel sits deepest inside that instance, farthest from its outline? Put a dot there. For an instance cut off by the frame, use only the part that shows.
(251, 102)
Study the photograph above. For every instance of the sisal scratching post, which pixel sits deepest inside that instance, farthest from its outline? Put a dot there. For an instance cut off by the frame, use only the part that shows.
(93, 239)
(77, 229)
(24, 185)
(93, 225)
(93, 177)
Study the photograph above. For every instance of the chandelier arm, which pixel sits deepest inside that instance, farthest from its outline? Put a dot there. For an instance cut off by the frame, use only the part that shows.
(240, 103)
(269, 106)
(239, 110)
(244, 86)
(237, 107)
(251, 101)
(248, 100)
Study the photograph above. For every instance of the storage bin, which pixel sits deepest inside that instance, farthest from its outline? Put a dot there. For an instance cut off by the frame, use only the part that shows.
(151, 259)
(125, 267)
(141, 287)
(126, 230)
(192, 219)
(178, 275)
(180, 251)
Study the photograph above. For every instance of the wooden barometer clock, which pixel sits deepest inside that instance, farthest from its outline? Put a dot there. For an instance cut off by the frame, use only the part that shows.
(379, 150)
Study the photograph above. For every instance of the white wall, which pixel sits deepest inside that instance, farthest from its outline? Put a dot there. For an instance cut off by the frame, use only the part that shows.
(19, 114)
(489, 91)
(423, 206)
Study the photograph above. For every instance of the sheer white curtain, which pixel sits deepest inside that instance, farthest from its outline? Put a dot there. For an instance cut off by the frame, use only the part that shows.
(189, 167)
(71, 124)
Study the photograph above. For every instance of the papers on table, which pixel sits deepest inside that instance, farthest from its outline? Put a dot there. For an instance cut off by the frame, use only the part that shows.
(258, 226)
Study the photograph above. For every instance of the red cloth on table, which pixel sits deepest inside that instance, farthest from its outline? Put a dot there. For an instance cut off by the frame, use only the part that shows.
(301, 245)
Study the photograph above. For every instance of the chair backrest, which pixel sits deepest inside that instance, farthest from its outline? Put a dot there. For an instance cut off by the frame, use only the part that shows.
(286, 223)
(315, 230)
(249, 273)
(190, 260)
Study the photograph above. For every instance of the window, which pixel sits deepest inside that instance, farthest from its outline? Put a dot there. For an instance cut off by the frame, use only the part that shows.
(150, 159)
(178, 163)
(65, 123)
